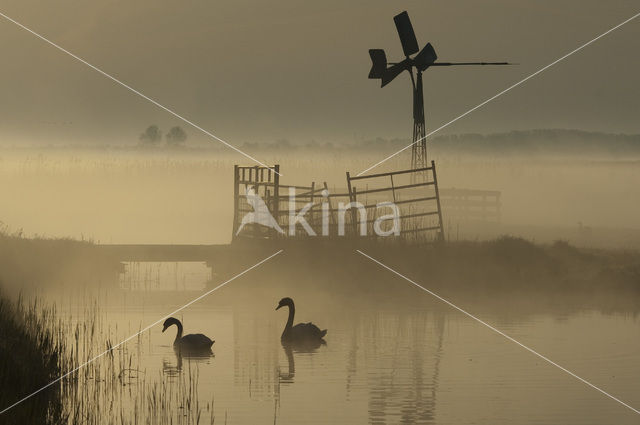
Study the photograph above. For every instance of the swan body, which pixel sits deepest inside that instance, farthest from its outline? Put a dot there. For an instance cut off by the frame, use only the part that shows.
(190, 342)
(302, 332)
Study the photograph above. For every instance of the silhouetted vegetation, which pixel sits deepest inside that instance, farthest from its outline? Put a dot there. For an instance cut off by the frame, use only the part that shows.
(474, 268)
(541, 142)
(32, 261)
(176, 136)
(151, 136)
(29, 359)
(523, 142)
(529, 143)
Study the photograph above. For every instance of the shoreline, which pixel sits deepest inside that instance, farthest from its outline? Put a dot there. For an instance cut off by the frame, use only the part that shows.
(30, 357)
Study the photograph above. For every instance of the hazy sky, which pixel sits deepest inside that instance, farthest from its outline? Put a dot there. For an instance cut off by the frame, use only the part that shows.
(257, 70)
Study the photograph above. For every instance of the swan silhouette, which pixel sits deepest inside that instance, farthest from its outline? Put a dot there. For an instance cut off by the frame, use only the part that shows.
(302, 332)
(189, 343)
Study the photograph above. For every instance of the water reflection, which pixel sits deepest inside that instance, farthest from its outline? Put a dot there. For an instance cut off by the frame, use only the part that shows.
(405, 387)
(297, 347)
(287, 378)
(173, 368)
(383, 365)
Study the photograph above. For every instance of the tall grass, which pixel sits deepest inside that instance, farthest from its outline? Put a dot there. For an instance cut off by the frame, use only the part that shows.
(30, 357)
(39, 346)
(116, 388)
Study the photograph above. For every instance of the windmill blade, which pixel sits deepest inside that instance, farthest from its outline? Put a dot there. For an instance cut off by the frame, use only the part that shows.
(393, 71)
(425, 58)
(378, 63)
(405, 31)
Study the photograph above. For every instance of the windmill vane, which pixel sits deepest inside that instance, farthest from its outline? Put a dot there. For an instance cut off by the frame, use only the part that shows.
(425, 58)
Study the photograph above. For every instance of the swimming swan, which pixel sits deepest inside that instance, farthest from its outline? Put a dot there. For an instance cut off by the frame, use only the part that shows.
(189, 342)
(302, 331)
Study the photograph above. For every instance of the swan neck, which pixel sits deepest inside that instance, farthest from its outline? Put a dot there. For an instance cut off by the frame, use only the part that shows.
(179, 334)
(292, 312)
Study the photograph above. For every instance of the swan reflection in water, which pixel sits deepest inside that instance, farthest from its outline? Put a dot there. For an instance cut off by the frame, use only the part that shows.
(290, 348)
(174, 369)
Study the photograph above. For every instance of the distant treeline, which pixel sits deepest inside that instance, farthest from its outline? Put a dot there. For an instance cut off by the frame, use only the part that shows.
(524, 142)
(551, 141)
(520, 142)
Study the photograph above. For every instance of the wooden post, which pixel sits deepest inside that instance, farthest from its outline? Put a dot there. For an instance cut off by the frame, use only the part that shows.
(352, 198)
(276, 194)
(267, 200)
(236, 200)
(257, 230)
(349, 187)
(435, 185)
(313, 210)
(332, 219)
(393, 189)
(355, 215)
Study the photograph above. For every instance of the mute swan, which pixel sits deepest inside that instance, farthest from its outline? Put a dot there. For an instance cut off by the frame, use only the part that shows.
(302, 331)
(189, 342)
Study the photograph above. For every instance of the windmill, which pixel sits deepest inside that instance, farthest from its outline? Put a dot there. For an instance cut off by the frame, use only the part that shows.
(424, 59)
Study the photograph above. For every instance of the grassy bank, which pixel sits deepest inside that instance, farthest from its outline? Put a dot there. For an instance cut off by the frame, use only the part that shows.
(505, 268)
(50, 261)
(503, 263)
(29, 359)
(38, 345)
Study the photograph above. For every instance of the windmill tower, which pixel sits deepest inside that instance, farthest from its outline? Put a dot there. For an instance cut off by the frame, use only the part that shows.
(424, 59)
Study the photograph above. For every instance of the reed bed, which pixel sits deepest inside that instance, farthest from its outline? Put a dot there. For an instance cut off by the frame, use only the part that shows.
(114, 389)
(30, 357)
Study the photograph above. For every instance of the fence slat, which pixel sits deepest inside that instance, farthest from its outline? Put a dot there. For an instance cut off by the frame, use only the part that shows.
(391, 173)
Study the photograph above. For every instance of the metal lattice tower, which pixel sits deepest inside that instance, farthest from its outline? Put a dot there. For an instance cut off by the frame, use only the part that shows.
(419, 147)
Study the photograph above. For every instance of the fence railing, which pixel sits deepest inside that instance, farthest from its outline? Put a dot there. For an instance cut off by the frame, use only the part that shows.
(472, 205)
(418, 201)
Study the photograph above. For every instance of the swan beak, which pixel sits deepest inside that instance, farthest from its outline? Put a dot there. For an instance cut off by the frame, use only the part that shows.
(164, 328)
(279, 305)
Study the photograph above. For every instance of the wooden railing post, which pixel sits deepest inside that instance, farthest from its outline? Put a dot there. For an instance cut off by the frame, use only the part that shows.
(236, 200)
(352, 199)
(435, 185)
(276, 195)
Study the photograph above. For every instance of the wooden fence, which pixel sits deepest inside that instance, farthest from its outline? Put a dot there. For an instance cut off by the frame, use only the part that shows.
(330, 214)
(415, 192)
(464, 205)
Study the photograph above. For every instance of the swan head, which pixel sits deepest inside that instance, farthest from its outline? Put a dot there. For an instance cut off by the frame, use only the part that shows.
(285, 302)
(170, 321)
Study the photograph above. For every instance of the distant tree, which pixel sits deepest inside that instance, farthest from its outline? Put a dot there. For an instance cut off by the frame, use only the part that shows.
(176, 136)
(151, 136)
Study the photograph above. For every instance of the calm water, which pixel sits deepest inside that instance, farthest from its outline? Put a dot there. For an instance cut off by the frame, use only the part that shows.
(382, 364)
